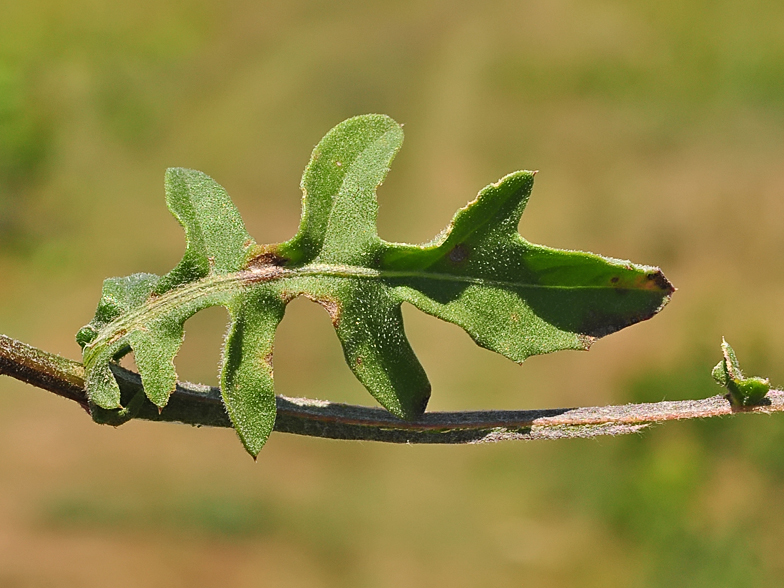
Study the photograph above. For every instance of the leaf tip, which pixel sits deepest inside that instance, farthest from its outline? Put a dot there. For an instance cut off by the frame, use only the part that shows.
(252, 446)
(174, 174)
(100, 403)
(657, 278)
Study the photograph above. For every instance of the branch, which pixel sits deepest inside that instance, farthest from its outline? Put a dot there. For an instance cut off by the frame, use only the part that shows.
(201, 405)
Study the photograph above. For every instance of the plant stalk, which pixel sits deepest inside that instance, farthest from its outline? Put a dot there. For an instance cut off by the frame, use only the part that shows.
(200, 405)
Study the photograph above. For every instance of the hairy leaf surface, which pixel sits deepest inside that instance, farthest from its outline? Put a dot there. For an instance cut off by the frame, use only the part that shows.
(510, 296)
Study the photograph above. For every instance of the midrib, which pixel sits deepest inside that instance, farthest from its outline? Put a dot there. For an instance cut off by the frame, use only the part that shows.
(216, 284)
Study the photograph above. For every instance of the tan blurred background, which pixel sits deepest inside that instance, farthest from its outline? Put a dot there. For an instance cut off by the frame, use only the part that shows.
(657, 127)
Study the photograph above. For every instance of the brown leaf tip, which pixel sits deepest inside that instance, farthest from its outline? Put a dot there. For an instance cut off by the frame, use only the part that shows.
(658, 280)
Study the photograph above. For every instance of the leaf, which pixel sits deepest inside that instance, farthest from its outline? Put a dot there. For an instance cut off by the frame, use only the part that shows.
(246, 378)
(510, 296)
(743, 391)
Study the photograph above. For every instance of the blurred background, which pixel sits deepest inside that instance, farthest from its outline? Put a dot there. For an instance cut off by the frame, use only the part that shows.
(658, 131)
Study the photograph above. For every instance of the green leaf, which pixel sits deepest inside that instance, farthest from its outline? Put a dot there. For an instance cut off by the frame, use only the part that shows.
(339, 205)
(516, 298)
(217, 241)
(743, 391)
(246, 378)
(510, 296)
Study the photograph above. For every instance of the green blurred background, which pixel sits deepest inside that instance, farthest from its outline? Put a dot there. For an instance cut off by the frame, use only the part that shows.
(657, 128)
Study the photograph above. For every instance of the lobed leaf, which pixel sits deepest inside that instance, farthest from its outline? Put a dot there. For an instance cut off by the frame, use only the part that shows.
(510, 296)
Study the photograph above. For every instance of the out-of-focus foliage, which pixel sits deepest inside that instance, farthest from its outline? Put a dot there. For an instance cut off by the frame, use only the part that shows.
(657, 129)
(24, 144)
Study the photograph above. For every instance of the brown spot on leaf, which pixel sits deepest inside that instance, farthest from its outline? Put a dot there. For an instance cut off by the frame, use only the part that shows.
(333, 310)
(331, 306)
(586, 341)
(266, 259)
(359, 360)
(459, 253)
(264, 266)
(268, 361)
(614, 279)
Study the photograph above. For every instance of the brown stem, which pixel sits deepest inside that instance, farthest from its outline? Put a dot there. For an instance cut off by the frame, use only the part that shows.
(201, 405)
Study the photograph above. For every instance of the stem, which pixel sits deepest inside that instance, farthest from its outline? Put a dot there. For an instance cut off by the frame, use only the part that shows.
(200, 405)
